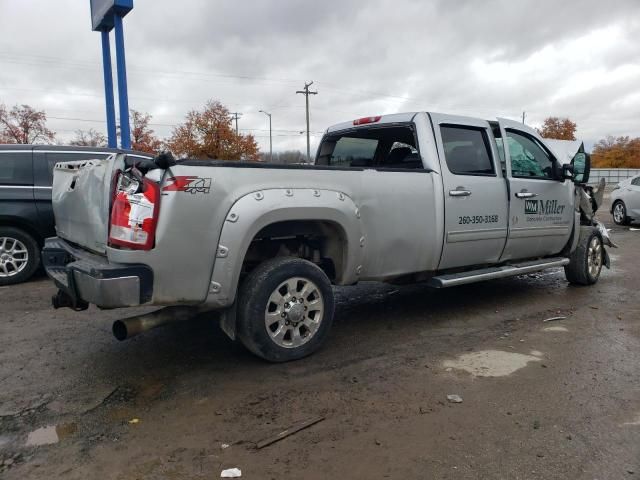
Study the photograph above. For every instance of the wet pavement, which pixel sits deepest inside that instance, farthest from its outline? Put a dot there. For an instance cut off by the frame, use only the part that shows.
(557, 399)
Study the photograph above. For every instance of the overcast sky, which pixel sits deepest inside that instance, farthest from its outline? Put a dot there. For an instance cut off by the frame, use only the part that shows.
(486, 58)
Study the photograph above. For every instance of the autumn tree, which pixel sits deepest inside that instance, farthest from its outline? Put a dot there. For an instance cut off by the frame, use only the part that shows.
(24, 124)
(558, 128)
(89, 138)
(616, 152)
(143, 138)
(208, 134)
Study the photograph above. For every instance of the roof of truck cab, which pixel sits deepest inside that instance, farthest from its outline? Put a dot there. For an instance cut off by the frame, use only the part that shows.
(384, 119)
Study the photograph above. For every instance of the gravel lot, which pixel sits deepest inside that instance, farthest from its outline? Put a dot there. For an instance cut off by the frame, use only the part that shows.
(556, 399)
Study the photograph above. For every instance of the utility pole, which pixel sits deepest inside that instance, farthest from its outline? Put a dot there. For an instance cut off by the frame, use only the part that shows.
(270, 140)
(306, 93)
(235, 116)
(524, 114)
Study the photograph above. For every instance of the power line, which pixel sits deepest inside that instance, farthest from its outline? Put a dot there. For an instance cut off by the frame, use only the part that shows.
(235, 116)
(306, 94)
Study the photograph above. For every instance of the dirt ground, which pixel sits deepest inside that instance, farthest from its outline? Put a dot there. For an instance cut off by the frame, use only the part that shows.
(557, 399)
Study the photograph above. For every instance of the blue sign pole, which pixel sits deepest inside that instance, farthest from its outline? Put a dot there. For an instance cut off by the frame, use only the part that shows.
(112, 140)
(125, 132)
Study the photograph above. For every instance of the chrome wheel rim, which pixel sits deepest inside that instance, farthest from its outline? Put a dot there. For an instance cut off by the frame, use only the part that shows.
(13, 256)
(618, 213)
(594, 257)
(294, 312)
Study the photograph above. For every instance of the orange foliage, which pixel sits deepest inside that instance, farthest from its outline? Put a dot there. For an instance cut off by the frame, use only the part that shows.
(142, 137)
(558, 128)
(24, 124)
(616, 152)
(208, 134)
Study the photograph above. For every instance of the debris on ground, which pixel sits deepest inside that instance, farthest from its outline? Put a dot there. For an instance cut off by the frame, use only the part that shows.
(289, 431)
(225, 445)
(231, 473)
(133, 421)
(536, 424)
(454, 398)
(553, 319)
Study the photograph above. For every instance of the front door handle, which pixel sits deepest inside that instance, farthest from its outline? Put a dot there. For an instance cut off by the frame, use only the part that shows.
(526, 194)
(459, 193)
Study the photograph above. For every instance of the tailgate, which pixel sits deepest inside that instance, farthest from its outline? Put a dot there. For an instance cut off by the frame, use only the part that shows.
(81, 195)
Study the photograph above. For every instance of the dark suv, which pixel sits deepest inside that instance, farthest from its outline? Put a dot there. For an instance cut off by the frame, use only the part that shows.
(26, 216)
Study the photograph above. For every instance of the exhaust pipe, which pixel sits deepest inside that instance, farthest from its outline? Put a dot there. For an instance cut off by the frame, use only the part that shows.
(132, 326)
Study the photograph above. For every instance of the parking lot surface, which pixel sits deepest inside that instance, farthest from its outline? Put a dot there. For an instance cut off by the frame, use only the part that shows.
(556, 399)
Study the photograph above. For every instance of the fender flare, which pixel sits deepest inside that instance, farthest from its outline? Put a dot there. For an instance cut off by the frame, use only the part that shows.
(254, 211)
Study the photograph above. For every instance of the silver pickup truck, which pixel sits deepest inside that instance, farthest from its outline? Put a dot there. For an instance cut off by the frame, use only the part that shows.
(413, 197)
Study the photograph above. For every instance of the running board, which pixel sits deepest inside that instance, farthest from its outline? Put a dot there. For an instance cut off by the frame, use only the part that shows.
(454, 279)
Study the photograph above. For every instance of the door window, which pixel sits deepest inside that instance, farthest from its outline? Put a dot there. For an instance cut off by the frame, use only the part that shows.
(636, 182)
(16, 168)
(466, 150)
(528, 158)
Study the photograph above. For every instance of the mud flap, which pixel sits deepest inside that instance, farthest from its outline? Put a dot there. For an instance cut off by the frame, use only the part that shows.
(228, 321)
(607, 260)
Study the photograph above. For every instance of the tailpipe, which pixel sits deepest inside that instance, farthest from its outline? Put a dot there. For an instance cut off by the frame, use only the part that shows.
(132, 326)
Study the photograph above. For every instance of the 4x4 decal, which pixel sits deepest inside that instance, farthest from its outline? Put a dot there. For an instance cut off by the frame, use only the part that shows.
(188, 184)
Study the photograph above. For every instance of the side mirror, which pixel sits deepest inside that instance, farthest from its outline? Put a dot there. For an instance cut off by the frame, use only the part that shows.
(581, 164)
(567, 172)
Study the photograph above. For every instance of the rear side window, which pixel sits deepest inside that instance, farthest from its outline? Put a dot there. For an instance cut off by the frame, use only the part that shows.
(353, 152)
(466, 150)
(16, 168)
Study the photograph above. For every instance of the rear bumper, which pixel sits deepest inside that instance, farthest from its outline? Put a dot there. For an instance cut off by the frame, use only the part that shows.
(84, 277)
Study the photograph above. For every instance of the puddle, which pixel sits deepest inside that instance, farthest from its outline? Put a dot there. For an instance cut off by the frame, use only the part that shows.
(557, 328)
(635, 422)
(490, 363)
(50, 434)
(5, 440)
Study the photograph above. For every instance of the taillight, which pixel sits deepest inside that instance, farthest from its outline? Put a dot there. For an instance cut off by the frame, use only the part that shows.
(365, 120)
(134, 213)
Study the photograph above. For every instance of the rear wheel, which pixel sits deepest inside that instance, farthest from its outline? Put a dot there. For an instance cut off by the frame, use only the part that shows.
(620, 213)
(19, 255)
(586, 261)
(285, 309)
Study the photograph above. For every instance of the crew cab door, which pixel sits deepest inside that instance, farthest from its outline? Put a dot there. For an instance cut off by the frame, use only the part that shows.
(475, 192)
(541, 201)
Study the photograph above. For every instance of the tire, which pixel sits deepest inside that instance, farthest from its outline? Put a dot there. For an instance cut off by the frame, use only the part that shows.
(619, 211)
(19, 255)
(586, 261)
(270, 323)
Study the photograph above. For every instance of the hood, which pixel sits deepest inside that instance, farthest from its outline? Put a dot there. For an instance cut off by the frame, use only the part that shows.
(564, 150)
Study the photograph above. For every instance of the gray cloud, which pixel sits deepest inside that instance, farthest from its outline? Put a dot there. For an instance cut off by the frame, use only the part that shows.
(491, 58)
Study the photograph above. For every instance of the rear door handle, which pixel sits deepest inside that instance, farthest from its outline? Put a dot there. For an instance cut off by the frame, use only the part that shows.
(526, 194)
(459, 193)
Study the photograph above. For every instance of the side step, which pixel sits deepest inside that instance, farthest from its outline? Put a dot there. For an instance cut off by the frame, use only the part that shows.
(454, 279)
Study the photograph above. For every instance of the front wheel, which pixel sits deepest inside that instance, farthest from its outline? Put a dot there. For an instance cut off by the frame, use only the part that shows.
(285, 309)
(620, 213)
(586, 261)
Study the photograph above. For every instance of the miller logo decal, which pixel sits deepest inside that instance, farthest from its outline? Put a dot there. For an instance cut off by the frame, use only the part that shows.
(543, 207)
